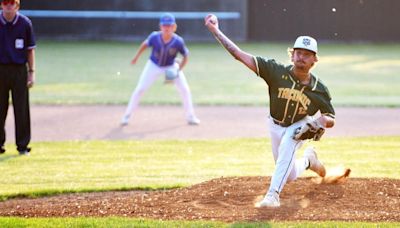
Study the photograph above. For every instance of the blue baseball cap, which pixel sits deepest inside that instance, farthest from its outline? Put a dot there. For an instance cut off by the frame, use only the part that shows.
(167, 19)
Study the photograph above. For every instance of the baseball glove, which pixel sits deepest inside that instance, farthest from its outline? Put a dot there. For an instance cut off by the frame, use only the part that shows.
(171, 74)
(311, 130)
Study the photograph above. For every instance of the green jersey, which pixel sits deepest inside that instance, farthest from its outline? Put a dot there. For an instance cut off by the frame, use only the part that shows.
(291, 101)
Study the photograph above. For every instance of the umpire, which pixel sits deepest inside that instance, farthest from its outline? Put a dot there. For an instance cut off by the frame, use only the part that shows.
(17, 72)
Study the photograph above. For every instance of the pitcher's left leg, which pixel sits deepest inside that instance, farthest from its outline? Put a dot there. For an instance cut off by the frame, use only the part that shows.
(284, 164)
(283, 168)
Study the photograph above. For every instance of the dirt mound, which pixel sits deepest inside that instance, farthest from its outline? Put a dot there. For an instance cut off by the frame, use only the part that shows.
(230, 200)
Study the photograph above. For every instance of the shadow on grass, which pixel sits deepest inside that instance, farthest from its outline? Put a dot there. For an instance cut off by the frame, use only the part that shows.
(119, 132)
(5, 157)
(49, 193)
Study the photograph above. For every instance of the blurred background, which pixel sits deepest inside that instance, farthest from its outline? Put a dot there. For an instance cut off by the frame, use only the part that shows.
(245, 20)
(85, 48)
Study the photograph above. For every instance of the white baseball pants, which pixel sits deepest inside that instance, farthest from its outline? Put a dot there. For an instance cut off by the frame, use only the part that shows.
(149, 74)
(284, 148)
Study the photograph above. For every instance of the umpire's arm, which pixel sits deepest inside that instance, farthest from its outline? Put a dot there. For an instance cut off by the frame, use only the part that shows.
(244, 57)
(31, 68)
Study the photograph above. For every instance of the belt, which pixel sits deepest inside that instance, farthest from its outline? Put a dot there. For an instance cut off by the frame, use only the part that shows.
(12, 64)
(280, 123)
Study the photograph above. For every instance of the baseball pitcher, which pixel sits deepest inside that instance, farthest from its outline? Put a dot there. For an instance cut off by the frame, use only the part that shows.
(296, 97)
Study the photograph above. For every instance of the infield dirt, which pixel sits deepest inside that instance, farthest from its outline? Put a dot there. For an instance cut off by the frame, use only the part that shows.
(60, 123)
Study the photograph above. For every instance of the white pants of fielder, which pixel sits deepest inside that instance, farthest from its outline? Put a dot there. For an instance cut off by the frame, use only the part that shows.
(284, 148)
(149, 74)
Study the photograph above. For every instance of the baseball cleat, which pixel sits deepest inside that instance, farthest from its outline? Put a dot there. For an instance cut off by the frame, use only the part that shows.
(2, 150)
(124, 121)
(25, 152)
(315, 164)
(270, 200)
(193, 121)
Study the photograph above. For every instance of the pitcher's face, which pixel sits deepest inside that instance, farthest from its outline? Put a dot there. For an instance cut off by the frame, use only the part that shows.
(304, 59)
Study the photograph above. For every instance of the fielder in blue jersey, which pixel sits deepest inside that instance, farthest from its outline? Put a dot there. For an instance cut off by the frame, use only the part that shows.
(166, 45)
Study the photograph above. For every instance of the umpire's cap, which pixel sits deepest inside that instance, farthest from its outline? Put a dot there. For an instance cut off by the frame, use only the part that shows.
(306, 42)
(167, 19)
(16, 2)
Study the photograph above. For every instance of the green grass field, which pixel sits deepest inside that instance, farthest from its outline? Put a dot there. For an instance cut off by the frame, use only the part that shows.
(60, 167)
(100, 73)
(129, 222)
(105, 165)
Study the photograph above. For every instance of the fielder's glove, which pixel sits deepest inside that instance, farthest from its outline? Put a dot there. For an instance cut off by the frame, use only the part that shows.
(311, 130)
(171, 74)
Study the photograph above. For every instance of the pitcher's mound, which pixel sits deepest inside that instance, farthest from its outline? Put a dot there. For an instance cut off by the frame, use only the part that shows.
(229, 199)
